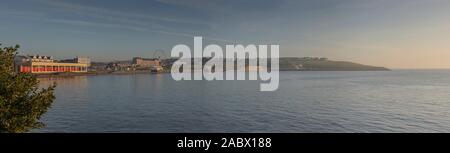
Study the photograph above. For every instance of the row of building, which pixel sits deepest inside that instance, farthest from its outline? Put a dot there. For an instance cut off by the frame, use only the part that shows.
(136, 64)
(47, 65)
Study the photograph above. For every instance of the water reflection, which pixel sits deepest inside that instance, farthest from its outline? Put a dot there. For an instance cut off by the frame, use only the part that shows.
(74, 82)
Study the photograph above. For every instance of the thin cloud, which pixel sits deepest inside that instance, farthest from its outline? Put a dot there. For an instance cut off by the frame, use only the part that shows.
(133, 28)
(105, 13)
(21, 14)
(118, 20)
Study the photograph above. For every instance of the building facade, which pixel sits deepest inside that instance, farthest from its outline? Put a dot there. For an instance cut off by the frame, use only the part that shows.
(142, 62)
(46, 65)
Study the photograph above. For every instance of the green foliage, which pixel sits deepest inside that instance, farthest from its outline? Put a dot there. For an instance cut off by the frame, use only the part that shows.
(22, 103)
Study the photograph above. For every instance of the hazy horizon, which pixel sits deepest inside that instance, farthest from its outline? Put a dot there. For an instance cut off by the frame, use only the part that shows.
(397, 34)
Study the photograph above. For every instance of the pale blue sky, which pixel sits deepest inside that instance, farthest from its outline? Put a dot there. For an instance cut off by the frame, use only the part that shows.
(391, 33)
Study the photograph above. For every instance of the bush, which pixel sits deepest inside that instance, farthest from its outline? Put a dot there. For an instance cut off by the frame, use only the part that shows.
(22, 103)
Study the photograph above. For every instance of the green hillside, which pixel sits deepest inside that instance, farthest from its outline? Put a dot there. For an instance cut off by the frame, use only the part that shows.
(323, 64)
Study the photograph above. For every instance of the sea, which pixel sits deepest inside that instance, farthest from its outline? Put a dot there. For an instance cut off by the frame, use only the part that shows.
(395, 101)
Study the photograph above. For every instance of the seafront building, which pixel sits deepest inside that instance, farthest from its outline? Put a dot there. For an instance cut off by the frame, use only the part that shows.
(144, 62)
(153, 64)
(46, 64)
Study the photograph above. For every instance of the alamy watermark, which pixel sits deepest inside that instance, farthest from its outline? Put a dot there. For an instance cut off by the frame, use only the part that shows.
(236, 63)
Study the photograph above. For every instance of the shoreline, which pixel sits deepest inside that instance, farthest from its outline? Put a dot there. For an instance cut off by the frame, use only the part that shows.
(95, 74)
(166, 72)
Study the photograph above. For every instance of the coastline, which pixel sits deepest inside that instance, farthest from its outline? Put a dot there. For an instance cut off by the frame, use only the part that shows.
(165, 72)
(95, 74)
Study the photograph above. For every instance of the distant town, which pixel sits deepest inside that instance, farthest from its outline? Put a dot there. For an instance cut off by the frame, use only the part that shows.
(37, 64)
(47, 65)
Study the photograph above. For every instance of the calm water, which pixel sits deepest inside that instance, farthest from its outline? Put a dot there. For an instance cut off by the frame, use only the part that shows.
(397, 101)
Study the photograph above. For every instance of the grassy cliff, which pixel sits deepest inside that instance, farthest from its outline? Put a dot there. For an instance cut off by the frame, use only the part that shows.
(322, 64)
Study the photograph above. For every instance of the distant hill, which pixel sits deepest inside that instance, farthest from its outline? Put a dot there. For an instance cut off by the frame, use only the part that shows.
(286, 64)
(323, 64)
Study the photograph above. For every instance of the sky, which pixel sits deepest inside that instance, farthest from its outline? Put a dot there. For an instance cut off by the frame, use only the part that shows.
(390, 33)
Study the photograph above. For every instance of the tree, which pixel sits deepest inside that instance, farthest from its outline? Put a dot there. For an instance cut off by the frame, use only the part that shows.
(22, 103)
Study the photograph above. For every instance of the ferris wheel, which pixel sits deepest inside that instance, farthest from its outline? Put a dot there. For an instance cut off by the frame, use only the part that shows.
(159, 54)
